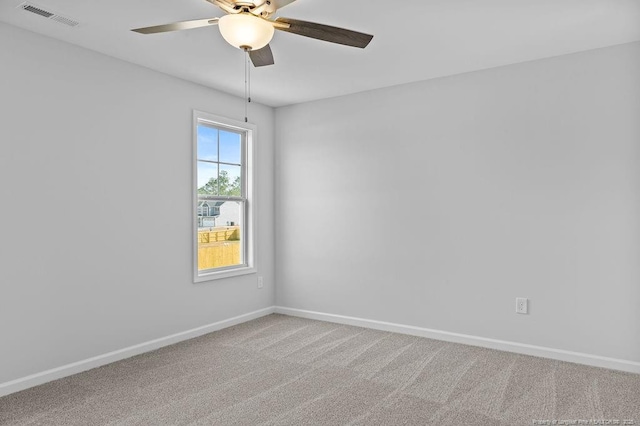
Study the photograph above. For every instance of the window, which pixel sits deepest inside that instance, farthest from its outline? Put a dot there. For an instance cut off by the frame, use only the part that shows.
(223, 197)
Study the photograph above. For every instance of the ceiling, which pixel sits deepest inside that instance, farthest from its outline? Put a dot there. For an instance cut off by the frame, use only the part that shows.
(414, 40)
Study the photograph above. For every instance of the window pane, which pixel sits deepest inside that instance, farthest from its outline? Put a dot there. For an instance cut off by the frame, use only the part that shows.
(230, 147)
(220, 243)
(207, 143)
(207, 178)
(230, 180)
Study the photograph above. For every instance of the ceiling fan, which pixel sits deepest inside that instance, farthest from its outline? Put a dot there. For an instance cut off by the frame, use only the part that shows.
(247, 26)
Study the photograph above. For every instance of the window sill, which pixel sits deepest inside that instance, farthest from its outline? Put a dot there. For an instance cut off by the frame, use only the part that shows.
(218, 275)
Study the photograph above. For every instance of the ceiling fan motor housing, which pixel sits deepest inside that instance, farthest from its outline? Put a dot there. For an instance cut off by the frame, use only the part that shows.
(262, 8)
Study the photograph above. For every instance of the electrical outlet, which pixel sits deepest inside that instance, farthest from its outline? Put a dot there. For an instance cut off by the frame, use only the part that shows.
(260, 282)
(522, 305)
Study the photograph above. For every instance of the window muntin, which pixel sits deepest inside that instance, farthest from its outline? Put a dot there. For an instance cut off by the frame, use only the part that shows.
(222, 176)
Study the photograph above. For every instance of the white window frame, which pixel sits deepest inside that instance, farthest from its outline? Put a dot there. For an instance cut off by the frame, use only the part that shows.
(248, 217)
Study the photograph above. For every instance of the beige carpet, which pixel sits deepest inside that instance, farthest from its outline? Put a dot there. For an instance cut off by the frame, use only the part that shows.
(281, 370)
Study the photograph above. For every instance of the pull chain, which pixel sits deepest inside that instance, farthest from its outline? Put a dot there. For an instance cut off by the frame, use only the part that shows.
(247, 86)
(246, 89)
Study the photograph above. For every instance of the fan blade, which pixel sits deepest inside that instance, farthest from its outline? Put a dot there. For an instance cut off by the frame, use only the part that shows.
(325, 32)
(261, 57)
(279, 4)
(177, 26)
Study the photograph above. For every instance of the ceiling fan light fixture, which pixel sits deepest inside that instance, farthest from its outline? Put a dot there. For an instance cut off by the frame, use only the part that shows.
(246, 31)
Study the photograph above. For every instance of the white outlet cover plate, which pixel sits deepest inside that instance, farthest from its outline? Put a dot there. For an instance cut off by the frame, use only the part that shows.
(522, 305)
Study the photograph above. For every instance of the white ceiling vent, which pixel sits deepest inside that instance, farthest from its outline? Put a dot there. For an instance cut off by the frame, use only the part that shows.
(63, 20)
(29, 7)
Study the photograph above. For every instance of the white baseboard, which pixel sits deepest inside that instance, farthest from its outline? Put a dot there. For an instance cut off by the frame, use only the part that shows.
(520, 348)
(100, 360)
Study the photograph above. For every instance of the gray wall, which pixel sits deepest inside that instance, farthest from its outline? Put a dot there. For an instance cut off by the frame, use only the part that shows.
(91, 141)
(433, 204)
(515, 181)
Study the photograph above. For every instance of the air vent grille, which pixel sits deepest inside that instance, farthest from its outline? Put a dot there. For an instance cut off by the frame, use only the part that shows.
(49, 15)
(63, 20)
(36, 10)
